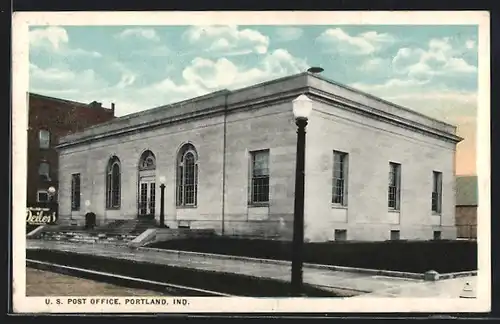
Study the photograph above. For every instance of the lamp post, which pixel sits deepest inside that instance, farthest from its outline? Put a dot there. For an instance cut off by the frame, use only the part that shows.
(162, 201)
(302, 107)
(51, 191)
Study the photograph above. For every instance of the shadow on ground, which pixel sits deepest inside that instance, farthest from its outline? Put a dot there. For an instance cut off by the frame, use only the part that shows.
(442, 256)
(229, 283)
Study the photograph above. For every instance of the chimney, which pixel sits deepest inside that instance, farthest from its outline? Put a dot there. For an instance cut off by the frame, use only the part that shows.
(95, 104)
(113, 107)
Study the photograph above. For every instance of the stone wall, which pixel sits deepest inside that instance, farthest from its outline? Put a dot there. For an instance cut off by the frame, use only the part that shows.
(371, 145)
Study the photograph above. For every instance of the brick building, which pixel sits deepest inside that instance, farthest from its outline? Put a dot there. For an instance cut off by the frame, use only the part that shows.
(466, 207)
(49, 119)
(374, 170)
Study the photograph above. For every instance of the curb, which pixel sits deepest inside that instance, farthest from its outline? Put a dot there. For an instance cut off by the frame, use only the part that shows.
(119, 279)
(388, 273)
(278, 281)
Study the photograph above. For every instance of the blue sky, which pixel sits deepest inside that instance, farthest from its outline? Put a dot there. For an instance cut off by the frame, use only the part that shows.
(431, 69)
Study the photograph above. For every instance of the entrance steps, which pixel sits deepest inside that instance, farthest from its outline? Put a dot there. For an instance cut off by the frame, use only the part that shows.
(119, 232)
(115, 232)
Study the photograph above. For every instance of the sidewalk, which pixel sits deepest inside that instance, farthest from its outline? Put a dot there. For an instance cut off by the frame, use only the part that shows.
(340, 282)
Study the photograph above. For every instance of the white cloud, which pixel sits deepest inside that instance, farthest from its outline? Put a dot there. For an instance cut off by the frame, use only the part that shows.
(53, 35)
(43, 79)
(227, 39)
(223, 73)
(56, 41)
(335, 39)
(160, 50)
(470, 44)
(438, 102)
(147, 33)
(201, 76)
(288, 33)
(127, 76)
(438, 59)
(373, 64)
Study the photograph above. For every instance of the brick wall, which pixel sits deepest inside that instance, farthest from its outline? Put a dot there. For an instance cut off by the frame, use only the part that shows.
(466, 218)
(59, 117)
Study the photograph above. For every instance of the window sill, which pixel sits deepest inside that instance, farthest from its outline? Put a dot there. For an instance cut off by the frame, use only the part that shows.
(112, 208)
(257, 205)
(434, 213)
(394, 210)
(186, 207)
(338, 206)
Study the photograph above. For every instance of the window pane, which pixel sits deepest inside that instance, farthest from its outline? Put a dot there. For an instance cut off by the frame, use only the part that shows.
(75, 192)
(260, 164)
(43, 168)
(44, 138)
(260, 189)
(180, 186)
(43, 196)
(108, 190)
(189, 179)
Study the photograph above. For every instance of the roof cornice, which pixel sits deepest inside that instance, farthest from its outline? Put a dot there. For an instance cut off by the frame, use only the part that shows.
(99, 132)
(361, 109)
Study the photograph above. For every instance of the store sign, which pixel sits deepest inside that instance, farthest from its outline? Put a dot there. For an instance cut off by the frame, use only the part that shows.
(41, 215)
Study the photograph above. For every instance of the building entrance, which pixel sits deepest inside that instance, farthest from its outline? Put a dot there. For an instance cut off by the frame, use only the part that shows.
(147, 197)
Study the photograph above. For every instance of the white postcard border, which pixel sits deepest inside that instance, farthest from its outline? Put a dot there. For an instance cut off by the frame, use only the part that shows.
(20, 63)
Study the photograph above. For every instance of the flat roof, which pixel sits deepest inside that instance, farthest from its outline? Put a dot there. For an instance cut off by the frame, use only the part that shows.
(305, 82)
(66, 101)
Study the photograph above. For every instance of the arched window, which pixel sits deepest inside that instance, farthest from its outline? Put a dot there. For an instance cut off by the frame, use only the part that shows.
(113, 183)
(187, 176)
(148, 161)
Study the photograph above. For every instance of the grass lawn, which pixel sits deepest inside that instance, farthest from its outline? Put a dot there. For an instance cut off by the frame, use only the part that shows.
(409, 256)
(47, 283)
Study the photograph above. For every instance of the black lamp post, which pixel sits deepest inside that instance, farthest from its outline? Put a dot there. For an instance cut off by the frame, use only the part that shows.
(162, 201)
(51, 192)
(302, 107)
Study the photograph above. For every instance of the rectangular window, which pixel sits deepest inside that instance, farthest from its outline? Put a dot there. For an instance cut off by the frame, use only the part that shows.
(44, 139)
(44, 171)
(340, 235)
(75, 191)
(394, 186)
(260, 177)
(437, 235)
(339, 183)
(395, 234)
(42, 196)
(436, 191)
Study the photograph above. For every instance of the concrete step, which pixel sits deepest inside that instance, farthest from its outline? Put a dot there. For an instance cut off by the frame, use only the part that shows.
(82, 237)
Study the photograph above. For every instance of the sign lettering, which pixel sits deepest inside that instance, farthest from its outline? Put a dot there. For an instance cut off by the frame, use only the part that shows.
(40, 216)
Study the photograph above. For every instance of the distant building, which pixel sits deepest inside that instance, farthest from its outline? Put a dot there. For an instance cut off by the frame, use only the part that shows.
(466, 206)
(49, 119)
(374, 170)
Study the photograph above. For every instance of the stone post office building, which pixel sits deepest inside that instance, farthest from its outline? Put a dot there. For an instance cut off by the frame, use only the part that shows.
(374, 170)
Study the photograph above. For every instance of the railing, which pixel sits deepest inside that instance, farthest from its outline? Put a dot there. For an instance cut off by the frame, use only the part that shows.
(467, 231)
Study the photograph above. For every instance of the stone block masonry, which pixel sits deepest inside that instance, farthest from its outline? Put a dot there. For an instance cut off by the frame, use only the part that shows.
(226, 127)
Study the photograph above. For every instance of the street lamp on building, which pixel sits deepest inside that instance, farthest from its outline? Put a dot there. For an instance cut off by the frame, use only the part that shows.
(162, 201)
(51, 192)
(302, 107)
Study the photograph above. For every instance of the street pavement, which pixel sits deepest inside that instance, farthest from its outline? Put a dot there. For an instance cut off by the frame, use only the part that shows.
(341, 282)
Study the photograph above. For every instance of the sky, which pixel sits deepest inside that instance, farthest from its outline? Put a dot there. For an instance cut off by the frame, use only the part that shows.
(430, 69)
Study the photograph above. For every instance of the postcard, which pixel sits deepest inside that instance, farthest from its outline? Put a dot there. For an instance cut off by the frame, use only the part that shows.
(187, 162)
